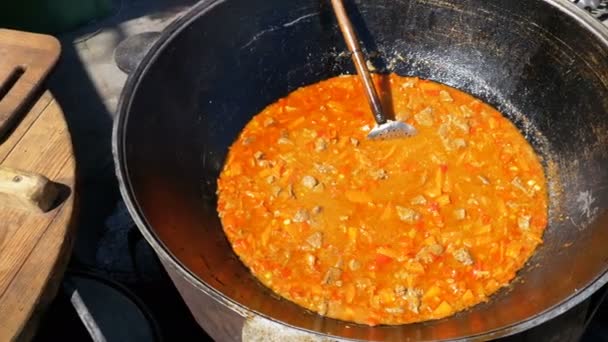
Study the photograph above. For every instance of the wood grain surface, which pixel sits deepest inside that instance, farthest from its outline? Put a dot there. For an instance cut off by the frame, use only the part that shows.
(35, 247)
(25, 61)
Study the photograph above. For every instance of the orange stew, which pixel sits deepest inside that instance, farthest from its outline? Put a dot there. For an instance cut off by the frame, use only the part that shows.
(382, 232)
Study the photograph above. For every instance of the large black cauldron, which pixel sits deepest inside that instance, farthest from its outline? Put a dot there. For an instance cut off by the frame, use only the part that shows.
(542, 63)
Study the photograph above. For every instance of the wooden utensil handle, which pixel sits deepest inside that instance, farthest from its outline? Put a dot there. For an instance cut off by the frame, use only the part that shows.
(26, 190)
(352, 42)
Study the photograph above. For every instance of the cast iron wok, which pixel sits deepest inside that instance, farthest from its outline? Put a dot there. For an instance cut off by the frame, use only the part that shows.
(542, 63)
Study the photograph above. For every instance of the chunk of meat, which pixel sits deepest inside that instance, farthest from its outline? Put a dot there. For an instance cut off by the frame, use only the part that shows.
(309, 181)
(444, 131)
(466, 111)
(248, 140)
(284, 138)
(523, 222)
(276, 191)
(461, 124)
(290, 192)
(518, 184)
(354, 141)
(363, 283)
(418, 200)
(258, 155)
(332, 276)
(320, 144)
(428, 253)
(379, 174)
(301, 216)
(460, 214)
(463, 256)
(400, 290)
(407, 215)
(412, 297)
(458, 143)
(283, 141)
(315, 240)
(269, 122)
(453, 143)
(394, 310)
(311, 260)
(324, 168)
(354, 265)
(408, 84)
(425, 117)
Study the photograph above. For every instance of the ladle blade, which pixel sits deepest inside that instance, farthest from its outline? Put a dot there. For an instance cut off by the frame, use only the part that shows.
(392, 130)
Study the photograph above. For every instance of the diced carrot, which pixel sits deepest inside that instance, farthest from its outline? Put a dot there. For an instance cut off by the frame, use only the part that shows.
(486, 228)
(386, 214)
(539, 221)
(382, 259)
(386, 296)
(345, 169)
(468, 296)
(350, 292)
(443, 200)
(358, 196)
(433, 291)
(443, 310)
(493, 123)
(470, 167)
(387, 252)
(430, 241)
(352, 235)
(420, 224)
(265, 236)
(297, 122)
(336, 295)
(285, 272)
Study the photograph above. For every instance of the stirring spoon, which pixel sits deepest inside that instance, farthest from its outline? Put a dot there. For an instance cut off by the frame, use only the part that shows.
(384, 129)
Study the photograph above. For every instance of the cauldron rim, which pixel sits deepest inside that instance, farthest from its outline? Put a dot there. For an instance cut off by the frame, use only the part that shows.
(118, 137)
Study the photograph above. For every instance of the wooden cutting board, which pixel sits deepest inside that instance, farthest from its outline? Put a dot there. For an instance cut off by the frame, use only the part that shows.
(36, 233)
(25, 61)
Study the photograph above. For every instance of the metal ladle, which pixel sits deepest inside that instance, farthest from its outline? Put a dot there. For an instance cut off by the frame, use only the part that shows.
(385, 129)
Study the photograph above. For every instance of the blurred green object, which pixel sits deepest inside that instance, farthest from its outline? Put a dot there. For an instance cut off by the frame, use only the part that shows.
(51, 16)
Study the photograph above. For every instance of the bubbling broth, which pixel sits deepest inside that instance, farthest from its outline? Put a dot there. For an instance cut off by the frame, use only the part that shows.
(382, 232)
